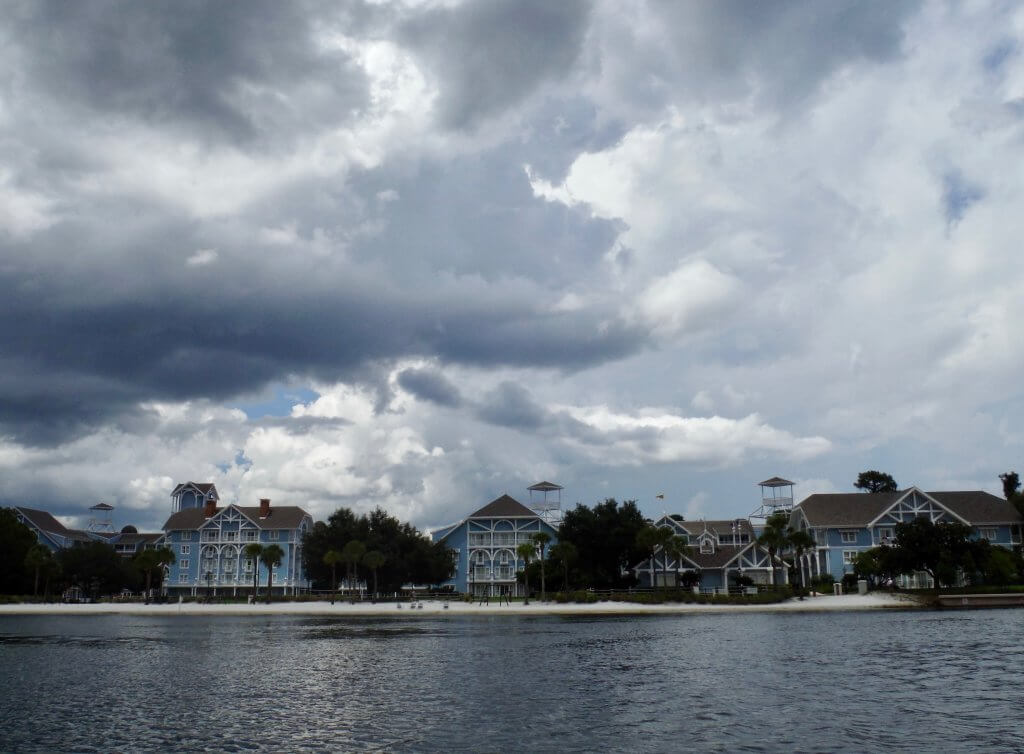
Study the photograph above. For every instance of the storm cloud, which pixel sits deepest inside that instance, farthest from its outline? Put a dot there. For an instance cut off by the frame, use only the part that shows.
(456, 247)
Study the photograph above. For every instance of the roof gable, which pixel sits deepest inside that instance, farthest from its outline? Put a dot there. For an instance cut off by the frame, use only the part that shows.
(43, 521)
(504, 507)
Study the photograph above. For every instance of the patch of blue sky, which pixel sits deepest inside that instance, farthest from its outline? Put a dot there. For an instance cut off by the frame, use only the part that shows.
(276, 400)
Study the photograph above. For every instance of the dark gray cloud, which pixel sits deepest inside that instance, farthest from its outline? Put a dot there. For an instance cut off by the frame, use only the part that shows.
(430, 385)
(511, 405)
(248, 73)
(778, 52)
(958, 195)
(489, 56)
(80, 347)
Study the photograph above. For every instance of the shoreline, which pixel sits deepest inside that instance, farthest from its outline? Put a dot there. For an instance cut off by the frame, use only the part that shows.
(435, 609)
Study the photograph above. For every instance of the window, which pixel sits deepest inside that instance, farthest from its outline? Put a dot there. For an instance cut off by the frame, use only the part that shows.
(707, 546)
(249, 535)
(885, 535)
(272, 534)
(849, 537)
(182, 578)
(989, 533)
(849, 556)
(231, 536)
(248, 565)
(185, 549)
(183, 565)
(504, 559)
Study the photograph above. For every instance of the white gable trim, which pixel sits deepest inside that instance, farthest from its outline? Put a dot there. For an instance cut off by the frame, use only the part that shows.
(900, 506)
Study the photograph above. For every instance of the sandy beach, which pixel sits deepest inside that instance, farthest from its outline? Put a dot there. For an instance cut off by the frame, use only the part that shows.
(873, 601)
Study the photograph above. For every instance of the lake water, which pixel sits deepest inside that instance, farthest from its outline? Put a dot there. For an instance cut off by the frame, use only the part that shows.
(868, 681)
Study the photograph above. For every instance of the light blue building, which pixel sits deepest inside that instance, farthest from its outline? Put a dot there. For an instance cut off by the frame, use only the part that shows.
(49, 531)
(485, 544)
(209, 544)
(721, 554)
(845, 525)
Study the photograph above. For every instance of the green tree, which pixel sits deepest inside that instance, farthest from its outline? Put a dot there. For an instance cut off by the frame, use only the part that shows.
(1000, 567)
(373, 560)
(254, 551)
(352, 553)
(36, 560)
(605, 539)
(332, 558)
(541, 539)
(97, 569)
(677, 548)
(1011, 490)
(152, 560)
(800, 542)
(774, 537)
(526, 551)
(564, 554)
(938, 549)
(1011, 484)
(411, 557)
(272, 557)
(652, 540)
(875, 481)
(16, 540)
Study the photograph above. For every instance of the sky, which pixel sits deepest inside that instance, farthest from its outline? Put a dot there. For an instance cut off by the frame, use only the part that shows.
(423, 253)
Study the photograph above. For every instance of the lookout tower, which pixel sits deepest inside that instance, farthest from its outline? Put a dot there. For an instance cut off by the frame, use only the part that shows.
(546, 501)
(100, 519)
(776, 497)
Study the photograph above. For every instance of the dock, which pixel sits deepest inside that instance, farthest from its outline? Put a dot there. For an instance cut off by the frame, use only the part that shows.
(976, 601)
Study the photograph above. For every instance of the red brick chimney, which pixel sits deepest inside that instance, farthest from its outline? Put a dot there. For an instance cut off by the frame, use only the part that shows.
(264, 507)
(210, 507)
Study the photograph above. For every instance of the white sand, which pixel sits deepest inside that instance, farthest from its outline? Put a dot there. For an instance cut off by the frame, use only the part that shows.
(873, 601)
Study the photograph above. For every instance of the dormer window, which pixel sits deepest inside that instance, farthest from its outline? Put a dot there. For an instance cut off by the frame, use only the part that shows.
(707, 546)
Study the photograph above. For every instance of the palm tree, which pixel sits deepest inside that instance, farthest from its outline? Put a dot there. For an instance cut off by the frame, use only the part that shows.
(373, 560)
(151, 560)
(564, 552)
(254, 552)
(654, 539)
(272, 557)
(677, 547)
(774, 538)
(352, 553)
(36, 559)
(332, 558)
(541, 540)
(801, 541)
(526, 551)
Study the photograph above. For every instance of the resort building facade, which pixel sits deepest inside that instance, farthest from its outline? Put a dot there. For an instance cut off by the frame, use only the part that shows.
(485, 542)
(209, 544)
(844, 525)
(722, 555)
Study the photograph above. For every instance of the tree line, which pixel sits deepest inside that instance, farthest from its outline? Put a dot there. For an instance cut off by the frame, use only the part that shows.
(94, 568)
(376, 548)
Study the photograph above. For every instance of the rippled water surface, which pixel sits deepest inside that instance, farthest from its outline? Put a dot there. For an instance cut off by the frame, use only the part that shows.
(874, 681)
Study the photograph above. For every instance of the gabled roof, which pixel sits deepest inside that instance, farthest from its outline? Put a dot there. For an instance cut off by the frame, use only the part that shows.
(504, 507)
(979, 507)
(856, 509)
(281, 517)
(846, 508)
(43, 521)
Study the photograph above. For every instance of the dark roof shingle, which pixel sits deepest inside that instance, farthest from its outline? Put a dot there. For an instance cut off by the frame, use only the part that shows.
(504, 507)
(856, 509)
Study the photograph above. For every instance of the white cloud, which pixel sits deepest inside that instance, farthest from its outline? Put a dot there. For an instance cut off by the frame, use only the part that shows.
(202, 258)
